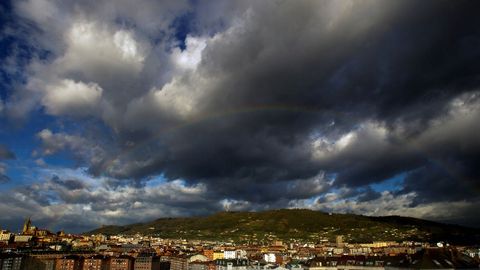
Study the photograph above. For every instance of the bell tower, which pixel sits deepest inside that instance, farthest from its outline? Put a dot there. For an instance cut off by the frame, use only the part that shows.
(26, 226)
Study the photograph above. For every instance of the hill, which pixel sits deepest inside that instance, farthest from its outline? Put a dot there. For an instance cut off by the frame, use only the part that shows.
(298, 224)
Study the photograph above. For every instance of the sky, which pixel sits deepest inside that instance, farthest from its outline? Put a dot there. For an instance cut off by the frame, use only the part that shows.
(115, 112)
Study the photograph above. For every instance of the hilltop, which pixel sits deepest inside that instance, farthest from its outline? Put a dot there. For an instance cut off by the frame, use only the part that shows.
(298, 224)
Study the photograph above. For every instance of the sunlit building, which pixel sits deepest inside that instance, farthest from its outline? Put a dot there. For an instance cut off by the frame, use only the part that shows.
(70, 262)
(120, 263)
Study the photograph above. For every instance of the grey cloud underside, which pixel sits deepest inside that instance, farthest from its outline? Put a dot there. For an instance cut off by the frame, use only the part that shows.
(288, 96)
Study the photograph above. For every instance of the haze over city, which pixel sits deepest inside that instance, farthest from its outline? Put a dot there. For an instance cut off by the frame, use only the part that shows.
(119, 112)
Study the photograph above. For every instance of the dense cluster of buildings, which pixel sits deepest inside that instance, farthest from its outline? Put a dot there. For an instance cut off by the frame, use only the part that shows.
(38, 249)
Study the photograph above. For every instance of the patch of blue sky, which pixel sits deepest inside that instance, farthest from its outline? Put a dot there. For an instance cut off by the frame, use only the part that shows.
(20, 139)
(182, 27)
(156, 180)
(394, 183)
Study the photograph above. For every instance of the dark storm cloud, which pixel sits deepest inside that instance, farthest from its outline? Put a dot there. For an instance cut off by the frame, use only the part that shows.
(281, 102)
(439, 182)
(265, 192)
(398, 64)
(276, 73)
(376, 64)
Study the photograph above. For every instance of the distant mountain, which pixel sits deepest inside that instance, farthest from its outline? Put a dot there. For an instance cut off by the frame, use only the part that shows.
(299, 224)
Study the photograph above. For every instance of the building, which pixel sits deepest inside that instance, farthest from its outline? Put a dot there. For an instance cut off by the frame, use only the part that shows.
(164, 265)
(23, 239)
(47, 259)
(379, 244)
(96, 262)
(48, 264)
(346, 263)
(6, 237)
(11, 261)
(218, 255)
(120, 263)
(434, 258)
(277, 243)
(294, 266)
(339, 241)
(178, 263)
(147, 262)
(234, 254)
(229, 254)
(208, 253)
(269, 257)
(240, 254)
(201, 265)
(70, 262)
(28, 228)
(232, 264)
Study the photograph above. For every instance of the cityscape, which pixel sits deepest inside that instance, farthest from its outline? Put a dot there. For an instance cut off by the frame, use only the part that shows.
(36, 248)
(239, 134)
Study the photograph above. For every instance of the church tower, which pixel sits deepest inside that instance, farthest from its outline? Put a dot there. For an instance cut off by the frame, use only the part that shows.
(26, 226)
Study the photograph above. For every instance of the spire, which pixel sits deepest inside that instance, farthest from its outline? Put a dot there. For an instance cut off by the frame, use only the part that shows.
(26, 226)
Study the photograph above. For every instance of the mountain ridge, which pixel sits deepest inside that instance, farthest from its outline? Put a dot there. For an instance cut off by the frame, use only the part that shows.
(299, 224)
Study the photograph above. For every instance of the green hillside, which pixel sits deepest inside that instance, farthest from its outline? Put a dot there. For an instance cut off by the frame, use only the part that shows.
(300, 224)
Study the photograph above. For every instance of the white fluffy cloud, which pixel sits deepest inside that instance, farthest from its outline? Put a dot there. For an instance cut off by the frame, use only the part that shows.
(370, 132)
(54, 142)
(93, 46)
(68, 97)
(192, 55)
(89, 49)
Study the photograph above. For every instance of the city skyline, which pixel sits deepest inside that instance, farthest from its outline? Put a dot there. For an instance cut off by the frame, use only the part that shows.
(118, 112)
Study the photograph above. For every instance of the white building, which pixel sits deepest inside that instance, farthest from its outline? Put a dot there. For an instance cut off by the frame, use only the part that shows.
(22, 238)
(5, 237)
(269, 257)
(240, 254)
(229, 254)
(231, 264)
